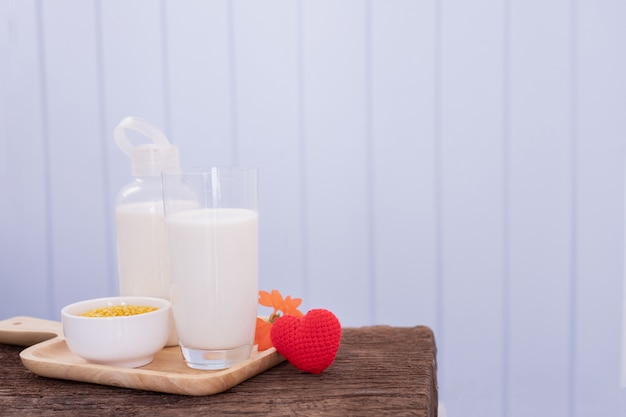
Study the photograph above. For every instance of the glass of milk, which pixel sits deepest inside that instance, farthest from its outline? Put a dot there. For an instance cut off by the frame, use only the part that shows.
(213, 256)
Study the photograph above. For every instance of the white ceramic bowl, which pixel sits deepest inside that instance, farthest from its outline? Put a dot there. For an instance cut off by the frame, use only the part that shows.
(124, 341)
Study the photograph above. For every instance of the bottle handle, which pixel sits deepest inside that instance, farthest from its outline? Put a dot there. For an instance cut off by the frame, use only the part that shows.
(138, 125)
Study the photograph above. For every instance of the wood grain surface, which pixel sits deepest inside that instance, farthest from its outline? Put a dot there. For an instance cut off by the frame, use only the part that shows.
(378, 371)
(167, 373)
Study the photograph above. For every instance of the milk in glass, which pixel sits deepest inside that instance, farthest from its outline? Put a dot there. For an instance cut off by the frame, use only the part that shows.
(214, 263)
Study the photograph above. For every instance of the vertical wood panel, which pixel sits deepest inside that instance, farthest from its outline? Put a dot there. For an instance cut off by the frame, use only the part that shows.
(402, 120)
(267, 76)
(601, 134)
(79, 210)
(472, 196)
(199, 80)
(335, 154)
(541, 204)
(132, 45)
(24, 285)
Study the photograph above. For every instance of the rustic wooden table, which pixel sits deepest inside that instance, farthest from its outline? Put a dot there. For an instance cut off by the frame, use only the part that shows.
(378, 371)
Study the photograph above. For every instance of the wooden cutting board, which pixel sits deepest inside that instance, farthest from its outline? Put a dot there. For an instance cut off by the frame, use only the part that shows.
(49, 356)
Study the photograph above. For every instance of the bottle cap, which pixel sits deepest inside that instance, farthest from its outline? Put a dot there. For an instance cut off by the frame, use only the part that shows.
(148, 159)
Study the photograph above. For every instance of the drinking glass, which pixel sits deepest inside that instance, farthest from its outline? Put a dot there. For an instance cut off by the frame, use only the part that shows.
(212, 222)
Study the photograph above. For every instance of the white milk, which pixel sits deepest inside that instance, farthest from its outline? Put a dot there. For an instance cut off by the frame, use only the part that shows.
(214, 264)
(141, 249)
(141, 253)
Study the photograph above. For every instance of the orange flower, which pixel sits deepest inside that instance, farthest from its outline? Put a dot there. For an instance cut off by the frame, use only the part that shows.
(291, 307)
(262, 335)
(288, 306)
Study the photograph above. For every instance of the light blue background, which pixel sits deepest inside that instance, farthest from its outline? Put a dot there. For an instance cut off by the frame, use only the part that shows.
(450, 163)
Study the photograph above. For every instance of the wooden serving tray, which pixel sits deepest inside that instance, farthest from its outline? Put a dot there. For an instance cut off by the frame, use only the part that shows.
(49, 356)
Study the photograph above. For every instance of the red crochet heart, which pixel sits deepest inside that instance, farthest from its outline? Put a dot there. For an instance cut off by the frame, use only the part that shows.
(311, 343)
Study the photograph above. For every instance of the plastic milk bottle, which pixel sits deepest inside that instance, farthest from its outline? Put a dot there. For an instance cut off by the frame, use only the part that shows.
(139, 219)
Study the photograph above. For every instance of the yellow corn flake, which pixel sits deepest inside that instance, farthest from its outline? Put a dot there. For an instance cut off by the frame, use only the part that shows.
(116, 311)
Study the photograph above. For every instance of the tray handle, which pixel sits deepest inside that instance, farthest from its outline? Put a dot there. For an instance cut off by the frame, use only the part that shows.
(28, 331)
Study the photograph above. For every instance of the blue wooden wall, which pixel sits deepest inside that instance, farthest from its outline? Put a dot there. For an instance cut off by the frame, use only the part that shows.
(449, 163)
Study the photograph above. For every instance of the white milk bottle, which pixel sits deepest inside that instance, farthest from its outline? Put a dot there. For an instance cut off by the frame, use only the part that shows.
(139, 219)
